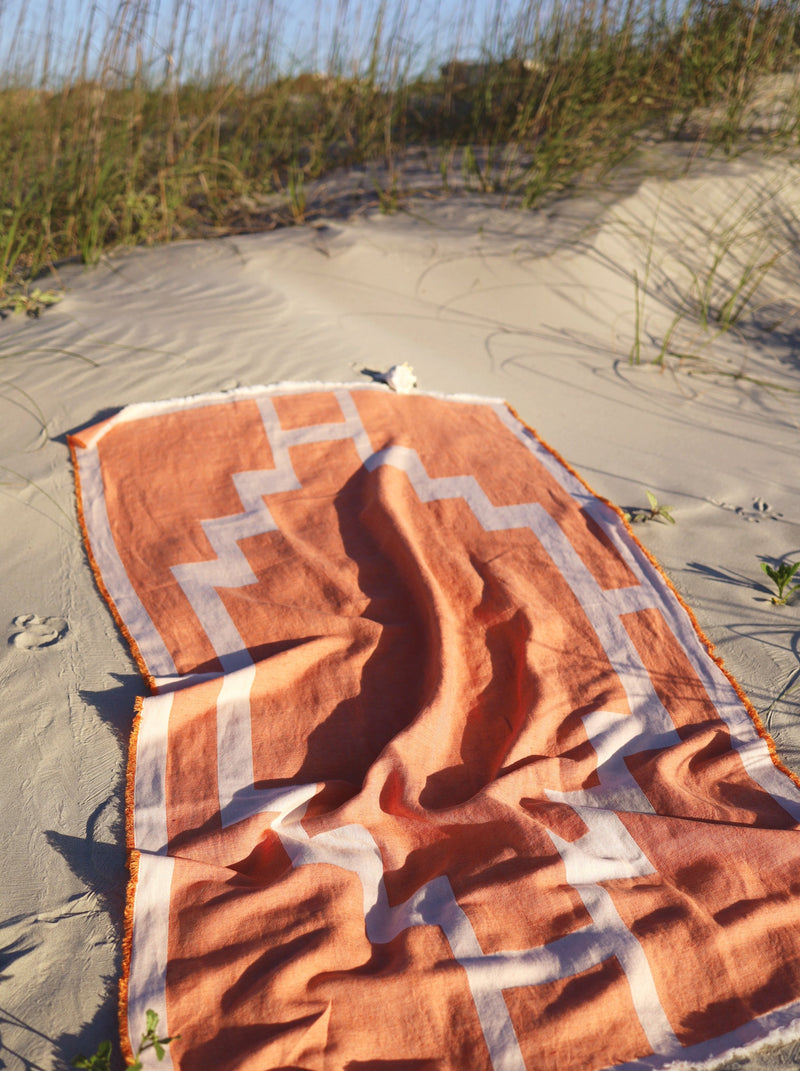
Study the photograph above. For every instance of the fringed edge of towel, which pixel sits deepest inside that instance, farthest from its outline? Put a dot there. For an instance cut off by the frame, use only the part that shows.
(125, 1040)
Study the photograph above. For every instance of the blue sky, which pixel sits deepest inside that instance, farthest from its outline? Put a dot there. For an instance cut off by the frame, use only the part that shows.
(300, 32)
(428, 29)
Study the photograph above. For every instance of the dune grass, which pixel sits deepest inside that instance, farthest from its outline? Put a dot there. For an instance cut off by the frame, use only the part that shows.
(726, 275)
(149, 132)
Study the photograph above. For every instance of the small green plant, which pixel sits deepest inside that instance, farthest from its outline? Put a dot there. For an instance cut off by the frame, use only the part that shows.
(469, 166)
(781, 576)
(31, 302)
(446, 154)
(101, 1061)
(296, 192)
(656, 512)
(472, 171)
(388, 192)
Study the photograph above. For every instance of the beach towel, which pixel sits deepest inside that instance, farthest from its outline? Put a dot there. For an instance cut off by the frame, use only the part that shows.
(437, 771)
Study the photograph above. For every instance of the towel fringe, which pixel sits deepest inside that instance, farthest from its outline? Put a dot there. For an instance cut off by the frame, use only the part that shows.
(127, 945)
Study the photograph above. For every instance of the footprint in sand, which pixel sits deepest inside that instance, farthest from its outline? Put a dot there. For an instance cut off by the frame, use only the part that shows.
(34, 631)
(759, 510)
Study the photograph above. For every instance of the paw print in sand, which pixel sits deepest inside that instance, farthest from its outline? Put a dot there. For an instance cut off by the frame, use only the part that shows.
(34, 631)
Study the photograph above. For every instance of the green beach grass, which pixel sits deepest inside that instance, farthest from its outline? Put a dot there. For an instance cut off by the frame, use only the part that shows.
(140, 142)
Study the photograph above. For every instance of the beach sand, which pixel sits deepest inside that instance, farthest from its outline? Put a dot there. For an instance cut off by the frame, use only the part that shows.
(539, 308)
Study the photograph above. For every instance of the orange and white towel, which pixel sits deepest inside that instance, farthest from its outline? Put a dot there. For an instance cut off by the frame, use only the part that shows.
(437, 771)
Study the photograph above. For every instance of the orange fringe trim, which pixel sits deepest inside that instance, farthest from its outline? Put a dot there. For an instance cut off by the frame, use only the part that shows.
(133, 867)
(127, 944)
(74, 442)
(133, 856)
(761, 729)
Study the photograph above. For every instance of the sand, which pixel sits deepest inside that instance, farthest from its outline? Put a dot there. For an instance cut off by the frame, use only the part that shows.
(539, 308)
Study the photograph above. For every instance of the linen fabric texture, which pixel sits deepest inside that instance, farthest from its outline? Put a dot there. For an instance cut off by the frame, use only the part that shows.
(437, 770)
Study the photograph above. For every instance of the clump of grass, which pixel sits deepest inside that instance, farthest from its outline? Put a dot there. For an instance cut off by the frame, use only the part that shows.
(735, 278)
(714, 286)
(148, 128)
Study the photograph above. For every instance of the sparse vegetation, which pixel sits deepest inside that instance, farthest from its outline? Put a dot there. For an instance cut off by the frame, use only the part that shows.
(655, 512)
(781, 576)
(31, 301)
(101, 1060)
(715, 282)
(154, 131)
